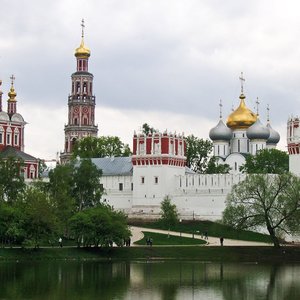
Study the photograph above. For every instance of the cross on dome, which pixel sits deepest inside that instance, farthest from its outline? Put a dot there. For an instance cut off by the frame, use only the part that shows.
(268, 113)
(257, 105)
(12, 78)
(221, 105)
(242, 79)
(82, 28)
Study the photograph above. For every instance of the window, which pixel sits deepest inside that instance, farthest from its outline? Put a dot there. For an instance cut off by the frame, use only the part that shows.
(142, 180)
(132, 186)
(101, 187)
(16, 140)
(156, 180)
(8, 141)
(120, 186)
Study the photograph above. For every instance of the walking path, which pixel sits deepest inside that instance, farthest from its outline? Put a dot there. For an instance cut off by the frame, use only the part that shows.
(212, 241)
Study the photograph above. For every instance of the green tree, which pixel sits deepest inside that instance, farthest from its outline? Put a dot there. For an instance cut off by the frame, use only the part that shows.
(198, 153)
(214, 168)
(266, 161)
(104, 146)
(11, 179)
(60, 187)
(87, 190)
(169, 213)
(40, 222)
(11, 225)
(146, 129)
(270, 201)
(99, 226)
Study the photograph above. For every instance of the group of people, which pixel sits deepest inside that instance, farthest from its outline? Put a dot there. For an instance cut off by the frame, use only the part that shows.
(149, 241)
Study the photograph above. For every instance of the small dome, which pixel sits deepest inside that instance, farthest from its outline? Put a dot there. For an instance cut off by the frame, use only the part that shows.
(274, 137)
(17, 118)
(4, 116)
(258, 131)
(12, 94)
(220, 132)
(242, 117)
(82, 51)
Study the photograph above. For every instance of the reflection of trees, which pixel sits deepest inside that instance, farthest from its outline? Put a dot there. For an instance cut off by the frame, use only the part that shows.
(165, 280)
(64, 280)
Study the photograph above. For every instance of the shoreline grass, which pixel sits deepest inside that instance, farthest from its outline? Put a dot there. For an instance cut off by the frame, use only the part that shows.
(197, 253)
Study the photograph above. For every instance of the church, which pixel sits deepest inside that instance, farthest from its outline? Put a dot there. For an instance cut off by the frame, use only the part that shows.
(157, 167)
(12, 127)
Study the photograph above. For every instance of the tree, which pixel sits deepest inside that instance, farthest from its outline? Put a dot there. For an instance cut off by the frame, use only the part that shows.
(147, 129)
(39, 217)
(87, 190)
(266, 161)
(214, 168)
(60, 187)
(270, 201)
(11, 180)
(104, 146)
(99, 226)
(197, 153)
(169, 213)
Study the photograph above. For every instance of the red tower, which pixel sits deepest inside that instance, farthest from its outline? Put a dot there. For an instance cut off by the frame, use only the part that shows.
(81, 103)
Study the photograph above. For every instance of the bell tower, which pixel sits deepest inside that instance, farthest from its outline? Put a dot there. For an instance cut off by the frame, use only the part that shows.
(81, 102)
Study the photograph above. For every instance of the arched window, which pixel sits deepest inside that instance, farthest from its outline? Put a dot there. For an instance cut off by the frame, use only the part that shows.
(32, 172)
(16, 137)
(8, 136)
(1, 135)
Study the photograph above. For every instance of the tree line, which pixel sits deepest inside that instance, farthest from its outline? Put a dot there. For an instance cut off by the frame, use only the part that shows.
(68, 206)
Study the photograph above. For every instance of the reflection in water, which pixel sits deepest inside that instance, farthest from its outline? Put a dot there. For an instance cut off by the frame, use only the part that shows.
(148, 280)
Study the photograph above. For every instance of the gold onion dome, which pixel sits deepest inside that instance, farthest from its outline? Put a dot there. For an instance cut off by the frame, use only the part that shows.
(12, 94)
(82, 50)
(242, 117)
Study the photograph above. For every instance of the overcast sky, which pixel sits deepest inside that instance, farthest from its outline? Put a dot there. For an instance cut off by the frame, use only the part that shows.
(164, 62)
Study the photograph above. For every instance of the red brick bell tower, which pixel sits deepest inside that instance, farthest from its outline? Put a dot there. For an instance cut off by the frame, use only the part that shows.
(81, 102)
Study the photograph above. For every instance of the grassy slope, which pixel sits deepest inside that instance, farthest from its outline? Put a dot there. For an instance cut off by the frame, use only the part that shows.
(163, 239)
(212, 228)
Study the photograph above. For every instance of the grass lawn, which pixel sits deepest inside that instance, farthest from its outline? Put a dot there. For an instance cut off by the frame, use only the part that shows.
(212, 228)
(216, 254)
(163, 239)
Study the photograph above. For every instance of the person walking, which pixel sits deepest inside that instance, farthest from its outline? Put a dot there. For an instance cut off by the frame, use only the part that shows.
(221, 240)
(60, 242)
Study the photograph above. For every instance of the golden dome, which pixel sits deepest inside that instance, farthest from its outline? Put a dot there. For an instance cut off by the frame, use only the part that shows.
(242, 117)
(12, 94)
(82, 51)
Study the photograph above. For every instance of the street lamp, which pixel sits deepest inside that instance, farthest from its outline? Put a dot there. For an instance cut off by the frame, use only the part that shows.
(180, 226)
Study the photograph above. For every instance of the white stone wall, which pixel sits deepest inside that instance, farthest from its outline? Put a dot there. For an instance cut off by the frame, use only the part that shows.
(196, 196)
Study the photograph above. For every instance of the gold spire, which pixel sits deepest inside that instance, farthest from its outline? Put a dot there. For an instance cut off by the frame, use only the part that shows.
(82, 51)
(12, 94)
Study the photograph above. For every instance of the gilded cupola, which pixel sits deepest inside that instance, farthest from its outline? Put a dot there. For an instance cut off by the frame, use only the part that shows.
(242, 117)
(82, 51)
(12, 93)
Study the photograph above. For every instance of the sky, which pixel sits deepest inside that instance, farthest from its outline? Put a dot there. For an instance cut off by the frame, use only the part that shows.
(162, 62)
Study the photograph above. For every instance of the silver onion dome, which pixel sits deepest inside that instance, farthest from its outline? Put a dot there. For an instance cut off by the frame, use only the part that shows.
(220, 133)
(274, 137)
(258, 131)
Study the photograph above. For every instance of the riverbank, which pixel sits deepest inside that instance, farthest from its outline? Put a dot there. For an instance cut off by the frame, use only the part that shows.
(198, 253)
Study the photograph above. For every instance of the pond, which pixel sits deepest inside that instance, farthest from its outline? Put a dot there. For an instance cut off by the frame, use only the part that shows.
(148, 280)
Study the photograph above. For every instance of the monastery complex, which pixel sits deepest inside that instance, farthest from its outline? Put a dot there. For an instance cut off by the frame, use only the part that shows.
(157, 168)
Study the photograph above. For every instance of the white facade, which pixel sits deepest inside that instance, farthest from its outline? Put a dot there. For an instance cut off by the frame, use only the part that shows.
(293, 142)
